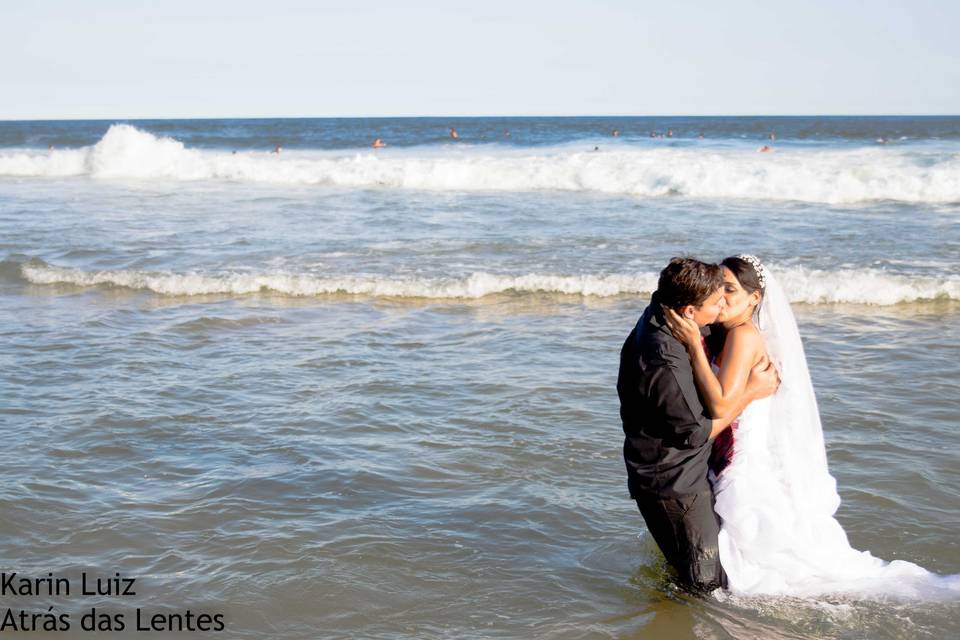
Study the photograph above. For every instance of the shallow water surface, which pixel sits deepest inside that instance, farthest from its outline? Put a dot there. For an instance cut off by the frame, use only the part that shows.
(382, 404)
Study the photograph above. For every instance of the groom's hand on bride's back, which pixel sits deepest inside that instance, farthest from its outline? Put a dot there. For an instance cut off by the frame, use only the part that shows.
(764, 379)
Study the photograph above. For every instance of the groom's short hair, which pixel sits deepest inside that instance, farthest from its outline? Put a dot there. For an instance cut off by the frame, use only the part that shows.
(688, 281)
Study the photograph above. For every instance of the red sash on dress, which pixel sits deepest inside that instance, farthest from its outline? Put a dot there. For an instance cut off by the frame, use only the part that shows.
(722, 453)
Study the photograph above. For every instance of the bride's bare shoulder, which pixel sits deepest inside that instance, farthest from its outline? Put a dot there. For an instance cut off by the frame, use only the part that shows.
(745, 337)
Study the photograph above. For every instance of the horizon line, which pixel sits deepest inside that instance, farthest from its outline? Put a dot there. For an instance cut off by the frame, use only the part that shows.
(474, 116)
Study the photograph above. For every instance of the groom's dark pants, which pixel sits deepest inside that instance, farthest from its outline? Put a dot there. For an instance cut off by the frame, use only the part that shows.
(685, 528)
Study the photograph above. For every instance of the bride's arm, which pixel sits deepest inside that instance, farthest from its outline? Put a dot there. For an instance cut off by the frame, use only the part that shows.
(762, 382)
(723, 396)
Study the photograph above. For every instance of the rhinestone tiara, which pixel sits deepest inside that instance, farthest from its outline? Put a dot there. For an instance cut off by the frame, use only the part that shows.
(757, 266)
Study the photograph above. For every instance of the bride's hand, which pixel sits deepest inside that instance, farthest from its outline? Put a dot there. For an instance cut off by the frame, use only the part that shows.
(685, 330)
(764, 379)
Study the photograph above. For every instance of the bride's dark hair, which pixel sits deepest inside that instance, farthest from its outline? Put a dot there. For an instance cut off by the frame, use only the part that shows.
(745, 273)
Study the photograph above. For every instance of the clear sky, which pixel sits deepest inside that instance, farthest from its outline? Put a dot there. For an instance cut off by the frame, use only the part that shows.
(263, 58)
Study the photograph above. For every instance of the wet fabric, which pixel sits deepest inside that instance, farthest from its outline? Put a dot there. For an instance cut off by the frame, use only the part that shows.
(685, 528)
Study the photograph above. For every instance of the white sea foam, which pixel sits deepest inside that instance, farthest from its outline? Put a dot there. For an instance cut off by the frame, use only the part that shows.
(831, 176)
(852, 286)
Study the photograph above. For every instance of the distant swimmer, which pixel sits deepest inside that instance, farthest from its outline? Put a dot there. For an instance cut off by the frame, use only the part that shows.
(49, 147)
(454, 134)
(379, 144)
(616, 133)
(765, 149)
(700, 136)
(883, 140)
(278, 149)
(669, 133)
(596, 148)
(773, 136)
(653, 134)
(506, 134)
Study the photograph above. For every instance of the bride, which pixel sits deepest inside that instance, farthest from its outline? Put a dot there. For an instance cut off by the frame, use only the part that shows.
(774, 494)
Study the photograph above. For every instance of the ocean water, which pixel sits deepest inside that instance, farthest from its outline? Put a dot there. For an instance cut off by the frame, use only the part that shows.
(344, 392)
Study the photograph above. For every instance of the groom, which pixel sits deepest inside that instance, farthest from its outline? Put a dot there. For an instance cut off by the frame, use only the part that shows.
(668, 433)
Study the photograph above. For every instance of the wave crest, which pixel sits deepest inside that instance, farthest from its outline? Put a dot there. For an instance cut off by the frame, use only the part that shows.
(847, 286)
(831, 176)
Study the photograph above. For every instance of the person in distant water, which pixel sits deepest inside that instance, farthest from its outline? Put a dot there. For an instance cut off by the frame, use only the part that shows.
(765, 149)
(773, 136)
(506, 134)
(49, 147)
(883, 140)
(277, 149)
(669, 133)
(454, 134)
(616, 133)
(700, 136)
(653, 134)
(379, 144)
(596, 148)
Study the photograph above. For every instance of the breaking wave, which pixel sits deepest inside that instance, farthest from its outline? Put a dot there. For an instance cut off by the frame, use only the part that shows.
(848, 286)
(812, 175)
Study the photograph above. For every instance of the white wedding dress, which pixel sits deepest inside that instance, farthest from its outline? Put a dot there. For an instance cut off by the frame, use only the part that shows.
(776, 498)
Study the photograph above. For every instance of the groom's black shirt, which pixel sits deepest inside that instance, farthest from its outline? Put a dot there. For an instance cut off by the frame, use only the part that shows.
(667, 443)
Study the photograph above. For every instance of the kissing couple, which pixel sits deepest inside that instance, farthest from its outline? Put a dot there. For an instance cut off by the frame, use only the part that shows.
(724, 448)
